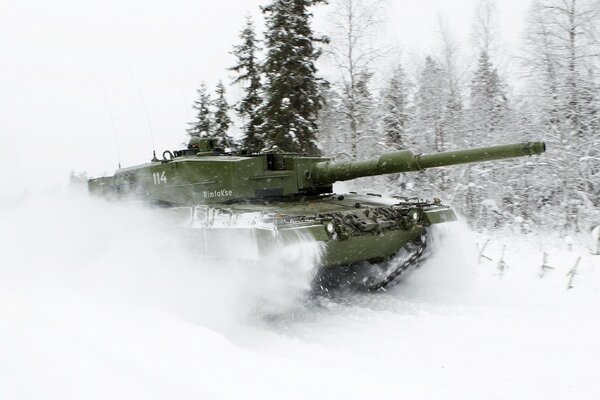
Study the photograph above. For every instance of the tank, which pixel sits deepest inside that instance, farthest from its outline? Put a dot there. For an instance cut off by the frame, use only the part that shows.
(262, 201)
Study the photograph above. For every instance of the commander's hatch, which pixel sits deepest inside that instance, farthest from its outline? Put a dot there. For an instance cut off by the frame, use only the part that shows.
(275, 162)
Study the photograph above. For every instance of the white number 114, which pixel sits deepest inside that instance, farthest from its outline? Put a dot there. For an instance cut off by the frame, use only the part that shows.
(159, 177)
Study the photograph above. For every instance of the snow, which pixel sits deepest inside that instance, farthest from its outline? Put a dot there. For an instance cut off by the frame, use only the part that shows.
(97, 301)
(596, 240)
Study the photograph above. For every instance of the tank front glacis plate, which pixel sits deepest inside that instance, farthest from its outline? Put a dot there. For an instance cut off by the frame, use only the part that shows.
(370, 247)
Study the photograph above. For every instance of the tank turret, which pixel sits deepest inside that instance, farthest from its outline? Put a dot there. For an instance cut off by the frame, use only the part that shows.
(204, 175)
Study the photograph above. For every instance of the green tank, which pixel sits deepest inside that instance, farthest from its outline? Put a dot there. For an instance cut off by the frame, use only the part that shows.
(271, 198)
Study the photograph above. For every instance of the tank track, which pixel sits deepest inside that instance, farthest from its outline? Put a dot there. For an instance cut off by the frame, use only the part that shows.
(373, 277)
(416, 250)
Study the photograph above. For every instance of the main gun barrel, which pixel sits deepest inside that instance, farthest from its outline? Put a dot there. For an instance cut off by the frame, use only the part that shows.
(326, 172)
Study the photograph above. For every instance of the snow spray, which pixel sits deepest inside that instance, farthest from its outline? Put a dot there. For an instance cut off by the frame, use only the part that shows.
(451, 263)
(67, 247)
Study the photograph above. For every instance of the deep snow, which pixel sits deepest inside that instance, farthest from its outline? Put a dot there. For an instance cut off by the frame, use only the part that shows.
(97, 301)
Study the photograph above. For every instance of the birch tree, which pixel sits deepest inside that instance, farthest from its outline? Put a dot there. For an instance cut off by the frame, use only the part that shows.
(562, 61)
(352, 50)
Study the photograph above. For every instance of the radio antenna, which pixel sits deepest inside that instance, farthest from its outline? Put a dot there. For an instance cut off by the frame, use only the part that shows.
(147, 115)
(112, 120)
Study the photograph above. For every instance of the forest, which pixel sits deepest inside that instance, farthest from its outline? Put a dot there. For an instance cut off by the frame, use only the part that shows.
(378, 101)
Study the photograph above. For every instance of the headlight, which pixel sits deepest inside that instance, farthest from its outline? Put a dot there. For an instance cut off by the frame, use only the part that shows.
(330, 227)
(415, 215)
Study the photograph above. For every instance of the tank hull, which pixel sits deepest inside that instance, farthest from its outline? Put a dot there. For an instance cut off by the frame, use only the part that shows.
(350, 229)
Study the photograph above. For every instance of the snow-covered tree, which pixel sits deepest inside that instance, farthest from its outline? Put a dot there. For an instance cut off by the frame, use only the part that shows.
(429, 130)
(488, 108)
(439, 118)
(395, 116)
(247, 68)
(203, 124)
(485, 33)
(352, 50)
(488, 103)
(488, 121)
(292, 88)
(453, 110)
(365, 117)
(562, 52)
(221, 119)
(395, 109)
(333, 130)
(487, 118)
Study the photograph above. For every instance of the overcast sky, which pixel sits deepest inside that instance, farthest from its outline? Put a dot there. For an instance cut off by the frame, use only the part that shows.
(63, 59)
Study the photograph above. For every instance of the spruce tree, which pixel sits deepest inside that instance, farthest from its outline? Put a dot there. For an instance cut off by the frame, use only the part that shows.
(487, 124)
(203, 123)
(488, 110)
(395, 118)
(438, 109)
(430, 133)
(248, 74)
(292, 89)
(394, 106)
(221, 119)
(364, 110)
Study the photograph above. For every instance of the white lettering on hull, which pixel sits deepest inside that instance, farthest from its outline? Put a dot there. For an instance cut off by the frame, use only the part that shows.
(213, 194)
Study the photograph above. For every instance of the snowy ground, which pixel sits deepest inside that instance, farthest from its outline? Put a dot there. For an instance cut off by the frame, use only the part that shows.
(98, 302)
